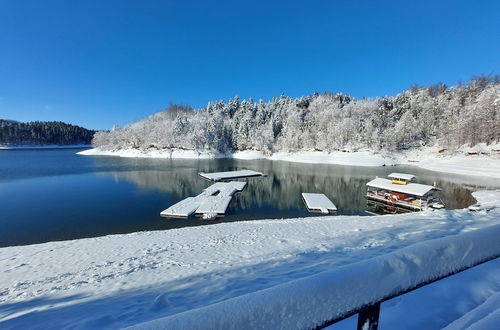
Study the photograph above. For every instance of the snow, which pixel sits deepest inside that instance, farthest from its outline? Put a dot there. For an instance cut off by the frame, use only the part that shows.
(318, 202)
(315, 299)
(123, 280)
(183, 208)
(214, 205)
(416, 189)
(426, 158)
(485, 316)
(248, 155)
(407, 177)
(359, 158)
(226, 188)
(486, 163)
(475, 165)
(206, 202)
(217, 176)
(435, 305)
(135, 153)
(487, 197)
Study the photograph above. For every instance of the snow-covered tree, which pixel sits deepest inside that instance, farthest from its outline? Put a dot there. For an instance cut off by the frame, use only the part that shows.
(435, 115)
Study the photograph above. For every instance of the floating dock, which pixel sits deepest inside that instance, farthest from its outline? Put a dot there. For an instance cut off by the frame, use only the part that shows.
(318, 203)
(212, 202)
(182, 209)
(214, 205)
(217, 176)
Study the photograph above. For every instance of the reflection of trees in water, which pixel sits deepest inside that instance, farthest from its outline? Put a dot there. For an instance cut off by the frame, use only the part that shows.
(455, 196)
(282, 190)
(284, 183)
(178, 183)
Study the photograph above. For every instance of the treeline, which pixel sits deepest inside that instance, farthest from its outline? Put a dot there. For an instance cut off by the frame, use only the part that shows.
(43, 133)
(421, 116)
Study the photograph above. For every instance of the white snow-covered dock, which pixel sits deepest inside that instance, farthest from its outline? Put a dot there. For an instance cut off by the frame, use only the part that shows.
(217, 176)
(182, 209)
(213, 201)
(318, 202)
(216, 205)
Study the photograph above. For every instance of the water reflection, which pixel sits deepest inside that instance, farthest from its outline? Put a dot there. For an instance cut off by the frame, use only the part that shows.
(278, 194)
(48, 195)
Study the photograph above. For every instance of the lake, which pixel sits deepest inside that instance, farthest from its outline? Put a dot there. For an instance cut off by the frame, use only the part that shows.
(55, 194)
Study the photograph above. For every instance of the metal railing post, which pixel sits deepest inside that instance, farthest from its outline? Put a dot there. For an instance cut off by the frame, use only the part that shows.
(368, 317)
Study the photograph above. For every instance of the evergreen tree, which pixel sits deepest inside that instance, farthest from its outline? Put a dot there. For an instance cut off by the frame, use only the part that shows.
(43, 133)
(435, 115)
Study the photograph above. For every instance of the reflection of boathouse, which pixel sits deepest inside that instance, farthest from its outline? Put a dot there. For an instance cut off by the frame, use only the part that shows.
(400, 194)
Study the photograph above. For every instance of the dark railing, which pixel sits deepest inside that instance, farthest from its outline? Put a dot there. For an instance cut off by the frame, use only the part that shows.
(321, 300)
(368, 316)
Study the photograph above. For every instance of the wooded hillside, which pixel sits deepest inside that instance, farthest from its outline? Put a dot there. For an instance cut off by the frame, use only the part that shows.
(43, 133)
(420, 116)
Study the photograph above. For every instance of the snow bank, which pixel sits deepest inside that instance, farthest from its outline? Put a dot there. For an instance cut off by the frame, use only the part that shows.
(480, 160)
(136, 153)
(487, 197)
(426, 158)
(360, 158)
(122, 280)
(473, 165)
(311, 301)
(248, 155)
(485, 316)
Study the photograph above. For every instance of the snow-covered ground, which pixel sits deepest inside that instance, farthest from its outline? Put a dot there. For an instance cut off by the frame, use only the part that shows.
(486, 164)
(122, 280)
(153, 153)
(310, 301)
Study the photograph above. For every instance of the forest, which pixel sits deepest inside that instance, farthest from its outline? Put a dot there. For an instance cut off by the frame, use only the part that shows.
(436, 115)
(43, 133)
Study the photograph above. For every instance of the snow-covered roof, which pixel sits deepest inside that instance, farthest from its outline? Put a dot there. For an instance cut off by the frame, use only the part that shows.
(415, 189)
(401, 176)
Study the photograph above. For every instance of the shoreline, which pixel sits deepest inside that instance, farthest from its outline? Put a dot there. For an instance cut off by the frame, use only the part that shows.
(428, 158)
(162, 273)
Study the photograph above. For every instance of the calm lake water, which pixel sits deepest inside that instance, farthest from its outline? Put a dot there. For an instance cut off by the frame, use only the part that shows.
(54, 194)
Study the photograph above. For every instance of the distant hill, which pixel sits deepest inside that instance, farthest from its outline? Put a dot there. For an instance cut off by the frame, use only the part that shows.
(43, 133)
(437, 115)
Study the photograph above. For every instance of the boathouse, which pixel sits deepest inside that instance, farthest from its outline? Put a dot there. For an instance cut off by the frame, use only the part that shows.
(399, 194)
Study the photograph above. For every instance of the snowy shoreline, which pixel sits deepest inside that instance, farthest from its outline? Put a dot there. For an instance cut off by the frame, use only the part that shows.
(121, 280)
(429, 159)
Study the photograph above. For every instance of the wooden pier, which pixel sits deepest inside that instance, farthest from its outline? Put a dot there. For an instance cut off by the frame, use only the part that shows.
(212, 202)
(318, 203)
(217, 176)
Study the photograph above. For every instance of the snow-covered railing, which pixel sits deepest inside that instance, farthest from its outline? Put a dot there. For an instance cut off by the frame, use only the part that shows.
(325, 298)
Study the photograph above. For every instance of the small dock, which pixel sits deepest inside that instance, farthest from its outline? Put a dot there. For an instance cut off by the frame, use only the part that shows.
(218, 176)
(318, 203)
(212, 202)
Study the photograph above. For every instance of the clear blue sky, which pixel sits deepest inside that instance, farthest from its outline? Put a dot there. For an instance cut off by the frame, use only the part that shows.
(99, 63)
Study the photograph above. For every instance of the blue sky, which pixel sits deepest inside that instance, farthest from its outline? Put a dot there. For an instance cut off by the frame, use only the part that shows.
(99, 63)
